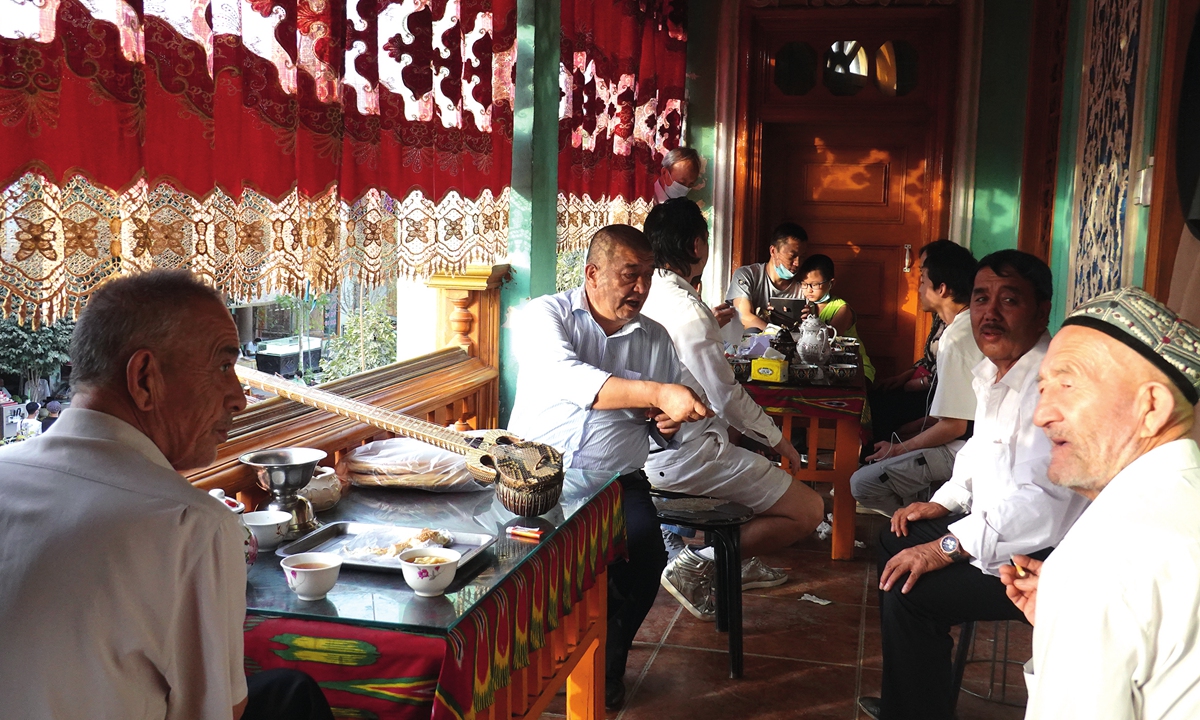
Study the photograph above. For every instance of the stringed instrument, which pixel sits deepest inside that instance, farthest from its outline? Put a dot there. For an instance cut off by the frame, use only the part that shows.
(528, 475)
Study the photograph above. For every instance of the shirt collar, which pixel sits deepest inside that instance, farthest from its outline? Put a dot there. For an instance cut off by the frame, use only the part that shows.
(79, 422)
(579, 304)
(1018, 374)
(674, 278)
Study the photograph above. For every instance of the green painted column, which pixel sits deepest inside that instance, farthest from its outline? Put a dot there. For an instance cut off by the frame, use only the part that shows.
(1000, 138)
(700, 90)
(533, 209)
(1064, 193)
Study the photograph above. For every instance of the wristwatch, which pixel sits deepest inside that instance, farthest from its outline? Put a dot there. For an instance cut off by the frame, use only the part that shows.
(949, 545)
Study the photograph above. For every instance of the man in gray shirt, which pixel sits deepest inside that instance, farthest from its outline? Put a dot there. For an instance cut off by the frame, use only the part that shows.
(752, 287)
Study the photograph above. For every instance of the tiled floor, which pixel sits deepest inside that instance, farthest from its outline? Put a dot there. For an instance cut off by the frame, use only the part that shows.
(803, 660)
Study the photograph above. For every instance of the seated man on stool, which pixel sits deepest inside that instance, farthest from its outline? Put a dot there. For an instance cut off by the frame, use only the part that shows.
(939, 563)
(706, 461)
(597, 380)
(902, 471)
(124, 587)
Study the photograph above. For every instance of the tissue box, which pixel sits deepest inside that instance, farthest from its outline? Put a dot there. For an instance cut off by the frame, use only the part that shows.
(769, 370)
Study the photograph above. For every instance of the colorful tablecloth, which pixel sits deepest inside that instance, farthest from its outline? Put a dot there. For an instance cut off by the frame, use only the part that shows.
(374, 673)
(811, 401)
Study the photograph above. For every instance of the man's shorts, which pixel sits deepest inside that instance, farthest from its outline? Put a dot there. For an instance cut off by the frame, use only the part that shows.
(711, 465)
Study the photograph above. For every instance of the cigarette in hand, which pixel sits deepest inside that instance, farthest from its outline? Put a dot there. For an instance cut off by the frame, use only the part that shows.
(1020, 570)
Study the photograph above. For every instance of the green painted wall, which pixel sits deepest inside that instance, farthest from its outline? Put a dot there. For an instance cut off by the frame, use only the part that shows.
(700, 92)
(1000, 139)
(533, 212)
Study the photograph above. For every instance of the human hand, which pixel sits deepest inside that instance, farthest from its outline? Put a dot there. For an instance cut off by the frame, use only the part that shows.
(1022, 590)
(917, 384)
(917, 511)
(666, 426)
(724, 313)
(883, 450)
(915, 561)
(680, 404)
(788, 451)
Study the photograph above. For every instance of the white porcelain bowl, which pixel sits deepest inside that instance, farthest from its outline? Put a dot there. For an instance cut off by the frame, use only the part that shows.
(432, 579)
(311, 575)
(269, 526)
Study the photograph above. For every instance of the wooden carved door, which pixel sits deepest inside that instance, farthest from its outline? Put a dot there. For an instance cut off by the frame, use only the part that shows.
(846, 129)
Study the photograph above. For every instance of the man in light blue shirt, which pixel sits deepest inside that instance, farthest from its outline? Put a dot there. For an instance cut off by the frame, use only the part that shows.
(597, 380)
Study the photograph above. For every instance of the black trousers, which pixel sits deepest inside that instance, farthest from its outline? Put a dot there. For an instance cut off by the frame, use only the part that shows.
(284, 694)
(917, 646)
(633, 583)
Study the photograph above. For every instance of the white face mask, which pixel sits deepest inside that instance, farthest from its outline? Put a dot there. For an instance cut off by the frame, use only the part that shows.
(677, 190)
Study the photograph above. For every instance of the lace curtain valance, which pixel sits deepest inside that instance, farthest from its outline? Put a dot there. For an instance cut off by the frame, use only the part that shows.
(266, 144)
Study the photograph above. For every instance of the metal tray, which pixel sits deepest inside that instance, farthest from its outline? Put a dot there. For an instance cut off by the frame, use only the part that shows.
(334, 536)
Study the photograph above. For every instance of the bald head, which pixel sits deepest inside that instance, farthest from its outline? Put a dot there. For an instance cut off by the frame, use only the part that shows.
(1103, 405)
(608, 239)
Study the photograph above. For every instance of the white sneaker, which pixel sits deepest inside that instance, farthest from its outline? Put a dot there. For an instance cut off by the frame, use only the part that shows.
(757, 575)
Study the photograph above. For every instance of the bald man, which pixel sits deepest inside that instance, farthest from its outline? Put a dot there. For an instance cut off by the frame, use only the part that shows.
(1116, 608)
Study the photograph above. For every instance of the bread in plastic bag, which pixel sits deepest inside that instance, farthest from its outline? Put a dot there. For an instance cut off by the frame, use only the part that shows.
(407, 463)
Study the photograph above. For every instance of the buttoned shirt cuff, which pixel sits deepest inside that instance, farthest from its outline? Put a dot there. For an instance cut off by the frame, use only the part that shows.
(972, 533)
(953, 497)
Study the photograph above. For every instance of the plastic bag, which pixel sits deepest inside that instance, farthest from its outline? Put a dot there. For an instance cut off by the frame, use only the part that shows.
(407, 463)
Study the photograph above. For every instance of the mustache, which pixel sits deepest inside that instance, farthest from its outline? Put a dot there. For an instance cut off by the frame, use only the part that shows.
(997, 327)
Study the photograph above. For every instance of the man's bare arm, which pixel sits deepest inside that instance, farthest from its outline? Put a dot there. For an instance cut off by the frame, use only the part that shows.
(677, 401)
(746, 312)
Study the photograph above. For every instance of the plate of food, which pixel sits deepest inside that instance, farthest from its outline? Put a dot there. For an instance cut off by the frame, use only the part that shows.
(378, 547)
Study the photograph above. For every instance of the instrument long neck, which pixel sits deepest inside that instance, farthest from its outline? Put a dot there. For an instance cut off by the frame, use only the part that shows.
(375, 416)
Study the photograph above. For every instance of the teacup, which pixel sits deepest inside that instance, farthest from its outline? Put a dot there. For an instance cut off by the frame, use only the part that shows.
(804, 371)
(269, 526)
(429, 571)
(311, 575)
(841, 371)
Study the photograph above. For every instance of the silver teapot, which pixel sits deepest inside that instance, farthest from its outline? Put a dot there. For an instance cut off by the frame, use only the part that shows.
(814, 341)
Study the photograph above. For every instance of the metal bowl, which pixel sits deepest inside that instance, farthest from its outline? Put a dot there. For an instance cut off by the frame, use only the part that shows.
(287, 469)
(841, 371)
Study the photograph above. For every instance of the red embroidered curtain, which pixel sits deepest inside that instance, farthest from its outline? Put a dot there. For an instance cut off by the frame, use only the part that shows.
(262, 143)
(621, 109)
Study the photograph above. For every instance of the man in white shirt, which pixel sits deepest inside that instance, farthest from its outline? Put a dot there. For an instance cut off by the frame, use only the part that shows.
(707, 462)
(903, 471)
(939, 563)
(679, 172)
(752, 286)
(598, 380)
(1116, 608)
(31, 426)
(123, 588)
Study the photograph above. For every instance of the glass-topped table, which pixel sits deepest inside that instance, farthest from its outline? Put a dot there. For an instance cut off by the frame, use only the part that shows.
(376, 647)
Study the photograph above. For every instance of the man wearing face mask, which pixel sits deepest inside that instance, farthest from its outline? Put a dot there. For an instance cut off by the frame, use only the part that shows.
(680, 171)
(752, 287)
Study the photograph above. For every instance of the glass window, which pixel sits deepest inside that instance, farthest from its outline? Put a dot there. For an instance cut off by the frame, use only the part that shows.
(795, 68)
(846, 67)
(896, 68)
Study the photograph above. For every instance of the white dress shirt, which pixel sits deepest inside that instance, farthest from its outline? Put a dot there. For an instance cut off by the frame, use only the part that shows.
(564, 359)
(122, 587)
(957, 356)
(676, 305)
(1000, 473)
(1117, 634)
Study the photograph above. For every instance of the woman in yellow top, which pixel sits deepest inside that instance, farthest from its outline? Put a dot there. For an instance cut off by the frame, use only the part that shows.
(816, 282)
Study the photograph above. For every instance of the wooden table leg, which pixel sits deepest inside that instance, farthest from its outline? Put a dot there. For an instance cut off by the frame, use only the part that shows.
(845, 462)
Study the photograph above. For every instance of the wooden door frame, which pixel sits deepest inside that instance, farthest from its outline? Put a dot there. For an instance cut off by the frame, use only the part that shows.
(745, 230)
(1166, 214)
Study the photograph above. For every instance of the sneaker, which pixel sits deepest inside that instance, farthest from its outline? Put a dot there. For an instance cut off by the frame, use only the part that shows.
(689, 579)
(870, 705)
(757, 575)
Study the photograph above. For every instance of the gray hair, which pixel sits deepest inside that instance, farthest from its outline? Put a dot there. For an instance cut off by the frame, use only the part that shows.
(145, 310)
(682, 154)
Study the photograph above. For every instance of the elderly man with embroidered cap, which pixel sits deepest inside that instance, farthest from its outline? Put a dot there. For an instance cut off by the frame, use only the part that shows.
(1116, 608)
